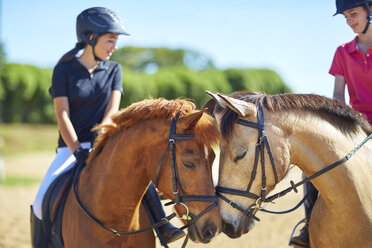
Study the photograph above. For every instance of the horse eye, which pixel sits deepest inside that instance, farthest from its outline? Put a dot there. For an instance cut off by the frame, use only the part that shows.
(239, 157)
(189, 165)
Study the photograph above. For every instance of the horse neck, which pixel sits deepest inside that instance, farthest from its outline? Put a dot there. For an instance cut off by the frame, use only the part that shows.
(315, 144)
(113, 184)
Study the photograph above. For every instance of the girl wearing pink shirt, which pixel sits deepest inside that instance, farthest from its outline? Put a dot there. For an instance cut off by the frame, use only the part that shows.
(352, 63)
(351, 66)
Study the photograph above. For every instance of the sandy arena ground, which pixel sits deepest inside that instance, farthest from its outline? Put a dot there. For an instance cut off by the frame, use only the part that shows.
(272, 232)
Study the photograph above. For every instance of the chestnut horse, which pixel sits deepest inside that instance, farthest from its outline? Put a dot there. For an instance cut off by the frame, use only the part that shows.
(263, 135)
(125, 159)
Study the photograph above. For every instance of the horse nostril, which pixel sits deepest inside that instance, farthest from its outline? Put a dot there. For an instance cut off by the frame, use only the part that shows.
(210, 232)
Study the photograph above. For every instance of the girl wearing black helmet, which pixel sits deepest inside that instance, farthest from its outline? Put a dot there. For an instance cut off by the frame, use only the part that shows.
(351, 66)
(86, 91)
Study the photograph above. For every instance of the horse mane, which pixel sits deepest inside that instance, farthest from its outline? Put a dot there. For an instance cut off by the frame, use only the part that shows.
(335, 112)
(206, 130)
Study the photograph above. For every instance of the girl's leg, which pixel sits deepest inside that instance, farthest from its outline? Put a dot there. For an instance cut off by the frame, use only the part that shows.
(63, 161)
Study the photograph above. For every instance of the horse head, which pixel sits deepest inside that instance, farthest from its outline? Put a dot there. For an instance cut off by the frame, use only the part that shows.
(186, 176)
(244, 179)
(262, 135)
(170, 145)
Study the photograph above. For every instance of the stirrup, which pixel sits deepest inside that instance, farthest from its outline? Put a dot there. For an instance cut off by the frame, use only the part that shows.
(304, 220)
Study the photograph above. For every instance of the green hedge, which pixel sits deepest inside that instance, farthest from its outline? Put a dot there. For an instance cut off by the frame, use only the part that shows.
(183, 82)
(24, 93)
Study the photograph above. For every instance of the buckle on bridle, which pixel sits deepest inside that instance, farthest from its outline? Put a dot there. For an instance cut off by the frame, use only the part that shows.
(185, 216)
(115, 232)
(257, 204)
(164, 220)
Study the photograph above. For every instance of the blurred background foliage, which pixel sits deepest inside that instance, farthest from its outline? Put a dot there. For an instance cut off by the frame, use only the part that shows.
(147, 72)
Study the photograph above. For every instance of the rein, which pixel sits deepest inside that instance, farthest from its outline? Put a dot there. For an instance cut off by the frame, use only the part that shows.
(190, 218)
(260, 148)
(317, 174)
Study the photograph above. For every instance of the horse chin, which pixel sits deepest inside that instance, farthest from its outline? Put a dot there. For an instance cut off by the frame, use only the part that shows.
(248, 225)
(202, 234)
(235, 232)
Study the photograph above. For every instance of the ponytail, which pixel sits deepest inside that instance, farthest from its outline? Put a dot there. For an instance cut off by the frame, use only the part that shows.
(71, 54)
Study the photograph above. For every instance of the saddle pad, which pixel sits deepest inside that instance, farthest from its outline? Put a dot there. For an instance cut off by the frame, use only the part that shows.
(53, 205)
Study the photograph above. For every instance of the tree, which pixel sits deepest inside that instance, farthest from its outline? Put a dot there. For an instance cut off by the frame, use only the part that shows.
(2, 62)
(2, 55)
(150, 60)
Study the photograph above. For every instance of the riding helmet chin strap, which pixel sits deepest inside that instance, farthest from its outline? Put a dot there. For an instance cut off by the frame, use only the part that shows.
(368, 18)
(94, 43)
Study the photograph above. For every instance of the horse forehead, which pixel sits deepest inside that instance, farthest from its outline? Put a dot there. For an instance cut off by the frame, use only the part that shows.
(195, 148)
(244, 130)
(241, 137)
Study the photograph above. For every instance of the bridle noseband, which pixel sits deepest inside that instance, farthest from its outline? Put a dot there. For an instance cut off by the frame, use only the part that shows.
(178, 199)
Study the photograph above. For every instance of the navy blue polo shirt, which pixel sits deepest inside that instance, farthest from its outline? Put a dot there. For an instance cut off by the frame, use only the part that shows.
(88, 94)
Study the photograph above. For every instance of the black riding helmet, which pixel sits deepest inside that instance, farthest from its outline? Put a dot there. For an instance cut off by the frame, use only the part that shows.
(97, 21)
(342, 5)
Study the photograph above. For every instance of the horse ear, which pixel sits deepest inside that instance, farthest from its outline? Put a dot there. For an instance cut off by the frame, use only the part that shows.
(190, 120)
(240, 107)
(218, 99)
(209, 106)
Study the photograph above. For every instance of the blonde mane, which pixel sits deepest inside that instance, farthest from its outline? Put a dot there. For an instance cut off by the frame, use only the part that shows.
(335, 112)
(205, 131)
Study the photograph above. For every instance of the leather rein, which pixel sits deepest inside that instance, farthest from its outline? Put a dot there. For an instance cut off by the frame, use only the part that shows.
(188, 217)
(263, 142)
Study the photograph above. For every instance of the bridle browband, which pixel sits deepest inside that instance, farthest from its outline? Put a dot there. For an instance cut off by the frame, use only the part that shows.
(260, 151)
(189, 217)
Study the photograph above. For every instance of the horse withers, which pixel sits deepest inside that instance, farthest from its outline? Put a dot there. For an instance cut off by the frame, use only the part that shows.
(263, 135)
(133, 151)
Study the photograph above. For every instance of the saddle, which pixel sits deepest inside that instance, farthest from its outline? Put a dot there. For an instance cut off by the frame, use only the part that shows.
(53, 206)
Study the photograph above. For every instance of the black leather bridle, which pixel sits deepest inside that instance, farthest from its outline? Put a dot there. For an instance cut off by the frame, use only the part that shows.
(178, 199)
(263, 142)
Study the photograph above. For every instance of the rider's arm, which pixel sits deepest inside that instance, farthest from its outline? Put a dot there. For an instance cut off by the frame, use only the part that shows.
(339, 88)
(112, 106)
(64, 123)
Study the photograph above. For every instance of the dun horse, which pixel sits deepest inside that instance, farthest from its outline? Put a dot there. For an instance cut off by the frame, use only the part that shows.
(125, 159)
(311, 132)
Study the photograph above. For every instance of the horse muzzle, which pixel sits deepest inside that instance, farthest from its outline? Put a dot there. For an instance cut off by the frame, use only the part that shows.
(236, 231)
(204, 233)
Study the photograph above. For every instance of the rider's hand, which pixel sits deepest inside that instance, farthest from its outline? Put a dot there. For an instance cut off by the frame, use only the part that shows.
(81, 155)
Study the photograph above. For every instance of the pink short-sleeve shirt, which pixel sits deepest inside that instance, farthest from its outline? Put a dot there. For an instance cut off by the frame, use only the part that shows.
(356, 68)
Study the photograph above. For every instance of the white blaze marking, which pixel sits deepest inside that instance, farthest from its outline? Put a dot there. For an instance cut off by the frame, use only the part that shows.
(206, 152)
